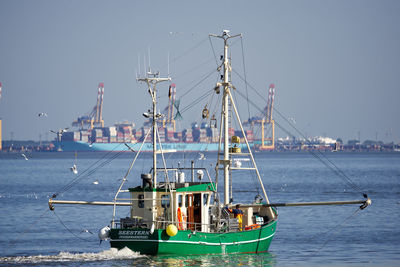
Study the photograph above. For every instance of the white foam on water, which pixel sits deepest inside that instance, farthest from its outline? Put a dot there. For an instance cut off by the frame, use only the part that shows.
(110, 254)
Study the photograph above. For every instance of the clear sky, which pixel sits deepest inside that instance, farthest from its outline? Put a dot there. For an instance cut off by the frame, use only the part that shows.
(336, 64)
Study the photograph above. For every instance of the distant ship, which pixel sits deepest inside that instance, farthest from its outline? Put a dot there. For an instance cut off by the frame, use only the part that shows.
(147, 147)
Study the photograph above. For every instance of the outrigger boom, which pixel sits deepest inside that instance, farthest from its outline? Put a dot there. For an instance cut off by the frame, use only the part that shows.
(365, 203)
(95, 203)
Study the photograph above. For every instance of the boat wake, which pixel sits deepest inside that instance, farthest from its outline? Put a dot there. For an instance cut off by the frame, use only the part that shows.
(111, 254)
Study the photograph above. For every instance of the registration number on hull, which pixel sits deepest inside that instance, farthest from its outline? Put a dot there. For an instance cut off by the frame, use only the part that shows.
(134, 234)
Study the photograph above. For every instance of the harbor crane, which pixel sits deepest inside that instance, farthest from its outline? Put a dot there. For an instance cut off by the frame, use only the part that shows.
(266, 121)
(169, 110)
(94, 118)
(166, 118)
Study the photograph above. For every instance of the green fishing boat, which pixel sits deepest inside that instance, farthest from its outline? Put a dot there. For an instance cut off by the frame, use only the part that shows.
(179, 217)
(196, 233)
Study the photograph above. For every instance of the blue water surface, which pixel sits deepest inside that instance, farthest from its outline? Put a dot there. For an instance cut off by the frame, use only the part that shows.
(31, 234)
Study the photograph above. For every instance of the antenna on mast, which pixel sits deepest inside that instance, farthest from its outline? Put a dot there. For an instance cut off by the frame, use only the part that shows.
(168, 62)
(138, 61)
(148, 52)
(144, 64)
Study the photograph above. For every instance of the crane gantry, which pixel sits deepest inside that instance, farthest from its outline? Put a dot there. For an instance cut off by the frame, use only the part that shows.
(94, 118)
(265, 120)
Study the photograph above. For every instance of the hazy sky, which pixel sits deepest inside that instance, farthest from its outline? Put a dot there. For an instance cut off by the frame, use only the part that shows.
(336, 64)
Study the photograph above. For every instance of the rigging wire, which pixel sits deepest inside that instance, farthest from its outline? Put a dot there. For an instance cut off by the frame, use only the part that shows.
(332, 234)
(212, 47)
(84, 174)
(196, 101)
(216, 106)
(92, 171)
(64, 189)
(187, 51)
(208, 74)
(245, 77)
(69, 230)
(319, 155)
(248, 106)
(12, 242)
(192, 69)
(335, 226)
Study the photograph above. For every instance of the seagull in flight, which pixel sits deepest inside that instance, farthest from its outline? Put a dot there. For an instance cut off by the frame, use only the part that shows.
(60, 132)
(86, 231)
(42, 114)
(175, 33)
(25, 157)
(74, 169)
(292, 120)
(202, 157)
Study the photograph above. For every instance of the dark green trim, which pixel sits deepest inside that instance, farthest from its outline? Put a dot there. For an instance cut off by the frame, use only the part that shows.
(198, 187)
(191, 188)
(146, 189)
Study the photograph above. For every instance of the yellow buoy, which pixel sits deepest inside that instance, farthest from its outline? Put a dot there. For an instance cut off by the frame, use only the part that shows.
(172, 230)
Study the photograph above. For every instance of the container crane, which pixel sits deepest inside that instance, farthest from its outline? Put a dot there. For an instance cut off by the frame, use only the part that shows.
(268, 120)
(94, 118)
(170, 108)
(264, 120)
(168, 119)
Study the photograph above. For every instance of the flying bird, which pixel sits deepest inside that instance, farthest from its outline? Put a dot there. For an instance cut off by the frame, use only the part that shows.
(42, 114)
(292, 120)
(175, 33)
(60, 132)
(202, 157)
(25, 157)
(74, 169)
(86, 231)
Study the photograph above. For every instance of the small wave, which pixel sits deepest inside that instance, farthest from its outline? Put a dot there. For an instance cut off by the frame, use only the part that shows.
(111, 254)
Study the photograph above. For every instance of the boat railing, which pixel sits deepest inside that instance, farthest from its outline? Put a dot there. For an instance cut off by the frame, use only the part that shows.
(229, 225)
(192, 169)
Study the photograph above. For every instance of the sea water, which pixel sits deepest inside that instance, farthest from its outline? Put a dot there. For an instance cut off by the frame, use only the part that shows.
(31, 234)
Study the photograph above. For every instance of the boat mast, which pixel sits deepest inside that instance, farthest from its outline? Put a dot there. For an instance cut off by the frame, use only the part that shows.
(225, 111)
(226, 124)
(151, 80)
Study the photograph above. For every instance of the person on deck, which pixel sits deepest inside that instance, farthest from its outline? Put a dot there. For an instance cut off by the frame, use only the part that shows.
(237, 213)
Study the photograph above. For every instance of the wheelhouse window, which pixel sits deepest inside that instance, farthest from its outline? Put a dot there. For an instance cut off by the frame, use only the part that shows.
(197, 200)
(205, 199)
(141, 201)
(180, 200)
(165, 201)
(186, 200)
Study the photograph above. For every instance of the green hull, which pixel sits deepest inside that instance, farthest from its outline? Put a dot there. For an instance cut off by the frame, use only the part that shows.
(185, 242)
